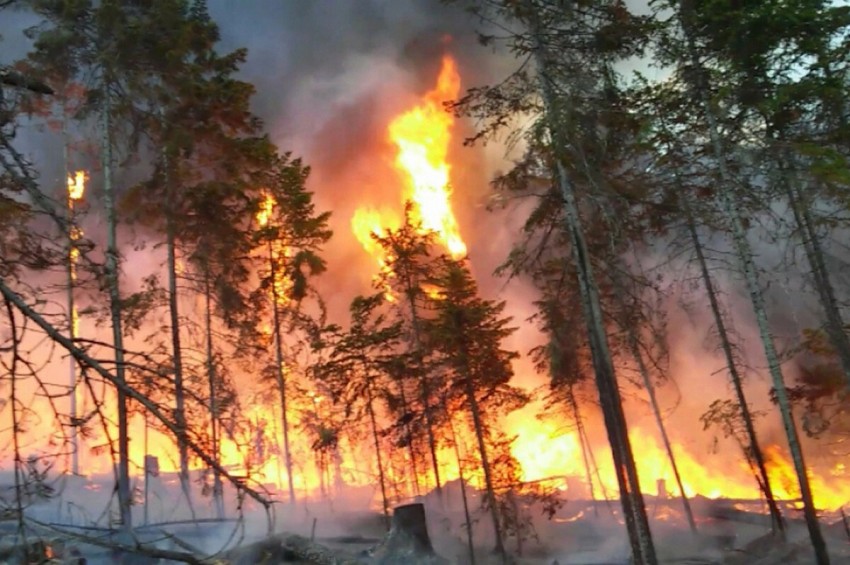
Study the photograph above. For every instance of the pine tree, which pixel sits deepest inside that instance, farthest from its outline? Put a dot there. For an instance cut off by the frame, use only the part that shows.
(467, 332)
(697, 77)
(293, 234)
(407, 272)
(358, 369)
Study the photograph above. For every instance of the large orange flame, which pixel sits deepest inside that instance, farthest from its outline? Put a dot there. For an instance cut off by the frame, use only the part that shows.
(421, 136)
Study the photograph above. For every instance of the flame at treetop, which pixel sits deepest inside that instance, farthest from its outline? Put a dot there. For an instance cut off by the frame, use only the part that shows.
(421, 136)
(76, 185)
(282, 283)
(264, 214)
(76, 189)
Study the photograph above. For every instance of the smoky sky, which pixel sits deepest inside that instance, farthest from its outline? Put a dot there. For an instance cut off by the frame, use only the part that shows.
(330, 76)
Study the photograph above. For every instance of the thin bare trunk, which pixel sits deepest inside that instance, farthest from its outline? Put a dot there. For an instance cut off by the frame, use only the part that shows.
(374, 424)
(281, 374)
(726, 345)
(16, 426)
(411, 448)
(485, 465)
(112, 283)
(463, 496)
(176, 348)
(751, 276)
(659, 421)
(218, 494)
(835, 327)
(571, 399)
(425, 392)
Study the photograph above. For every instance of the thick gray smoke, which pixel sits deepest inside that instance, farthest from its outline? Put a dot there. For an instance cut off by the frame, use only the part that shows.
(329, 77)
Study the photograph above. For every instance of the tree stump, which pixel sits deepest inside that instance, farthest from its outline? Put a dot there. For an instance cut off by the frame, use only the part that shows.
(408, 542)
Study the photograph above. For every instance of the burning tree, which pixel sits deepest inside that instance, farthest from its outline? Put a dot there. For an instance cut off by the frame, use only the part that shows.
(293, 234)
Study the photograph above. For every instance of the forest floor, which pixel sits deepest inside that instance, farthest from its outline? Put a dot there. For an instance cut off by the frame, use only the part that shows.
(580, 532)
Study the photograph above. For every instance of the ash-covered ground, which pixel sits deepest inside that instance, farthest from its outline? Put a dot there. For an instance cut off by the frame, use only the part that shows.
(76, 518)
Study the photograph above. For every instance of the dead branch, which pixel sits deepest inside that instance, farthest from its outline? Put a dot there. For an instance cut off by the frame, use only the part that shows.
(131, 392)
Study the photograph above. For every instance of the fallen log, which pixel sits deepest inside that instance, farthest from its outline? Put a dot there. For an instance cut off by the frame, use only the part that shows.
(285, 548)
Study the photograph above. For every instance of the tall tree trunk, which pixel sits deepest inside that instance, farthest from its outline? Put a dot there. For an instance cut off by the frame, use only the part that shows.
(751, 276)
(374, 425)
(634, 346)
(411, 448)
(280, 374)
(571, 400)
(16, 425)
(470, 546)
(112, 283)
(485, 466)
(726, 345)
(218, 494)
(176, 348)
(72, 307)
(634, 509)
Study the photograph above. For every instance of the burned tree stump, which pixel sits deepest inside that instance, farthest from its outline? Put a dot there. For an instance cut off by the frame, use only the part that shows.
(408, 541)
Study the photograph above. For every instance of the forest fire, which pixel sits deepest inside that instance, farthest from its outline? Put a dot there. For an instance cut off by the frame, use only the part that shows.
(421, 136)
(236, 367)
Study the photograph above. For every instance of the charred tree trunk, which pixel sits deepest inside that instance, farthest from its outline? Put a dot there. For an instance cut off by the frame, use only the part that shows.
(751, 276)
(374, 425)
(280, 373)
(218, 489)
(571, 400)
(478, 425)
(634, 509)
(411, 447)
(464, 498)
(726, 345)
(16, 426)
(115, 309)
(659, 421)
(176, 348)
